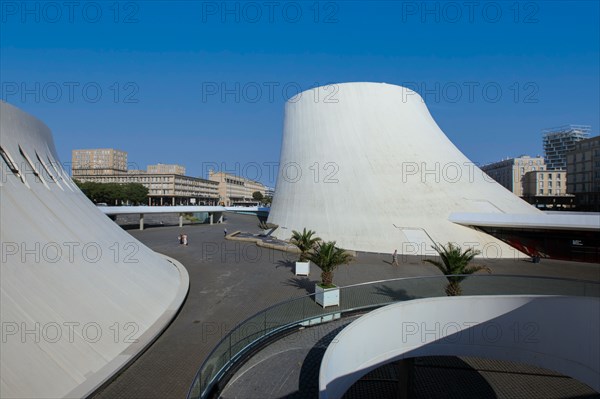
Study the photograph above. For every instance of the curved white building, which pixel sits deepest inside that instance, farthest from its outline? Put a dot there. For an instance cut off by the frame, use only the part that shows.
(80, 297)
(368, 166)
(478, 326)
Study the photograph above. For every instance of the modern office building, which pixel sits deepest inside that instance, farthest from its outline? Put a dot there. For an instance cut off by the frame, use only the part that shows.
(559, 141)
(583, 174)
(100, 161)
(166, 169)
(509, 172)
(236, 190)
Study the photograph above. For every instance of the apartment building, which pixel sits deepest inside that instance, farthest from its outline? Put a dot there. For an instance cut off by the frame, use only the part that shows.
(161, 168)
(166, 184)
(583, 174)
(100, 161)
(235, 190)
(561, 140)
(166, 189)
(547, 189)
(509, 172)
(545, 183)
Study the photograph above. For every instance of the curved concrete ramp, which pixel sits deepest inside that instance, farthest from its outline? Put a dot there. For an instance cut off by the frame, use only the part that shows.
(556, 333)
(365, 164)
(79, 296)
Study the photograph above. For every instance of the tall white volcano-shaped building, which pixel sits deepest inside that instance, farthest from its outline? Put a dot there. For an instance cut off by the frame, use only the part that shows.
(80, 297)
(366, 165)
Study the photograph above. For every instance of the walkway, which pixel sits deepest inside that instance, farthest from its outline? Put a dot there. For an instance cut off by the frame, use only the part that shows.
(232, 280)
(289, 368)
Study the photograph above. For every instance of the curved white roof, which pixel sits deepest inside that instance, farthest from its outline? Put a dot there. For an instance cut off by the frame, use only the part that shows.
(370, 168)
(79, 296)
(544, 221)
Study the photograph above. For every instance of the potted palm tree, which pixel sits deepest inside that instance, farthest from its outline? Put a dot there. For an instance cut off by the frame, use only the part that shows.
(454, 263)
(305, 241)
(328, 257)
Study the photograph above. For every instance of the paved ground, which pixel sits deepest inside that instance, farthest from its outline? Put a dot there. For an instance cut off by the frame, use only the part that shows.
(470, 378)
(289, 368)
(231, 280)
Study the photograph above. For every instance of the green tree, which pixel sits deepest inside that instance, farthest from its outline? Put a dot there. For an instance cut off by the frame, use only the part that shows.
(328, 257)
(257, 196)
(305, 242)
(455, 265)
(94, 191)
(135, 193)
(114, 193)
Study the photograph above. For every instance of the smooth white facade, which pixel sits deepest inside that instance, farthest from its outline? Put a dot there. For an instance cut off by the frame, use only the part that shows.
(368, 167)
(513, 328)
(80, 297)
(548, 221)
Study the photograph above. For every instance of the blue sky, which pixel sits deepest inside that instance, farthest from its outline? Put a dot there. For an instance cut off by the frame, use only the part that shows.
(204, 83)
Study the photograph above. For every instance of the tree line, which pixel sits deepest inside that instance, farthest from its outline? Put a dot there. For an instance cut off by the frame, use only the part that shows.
(258, 196)
(114, 193)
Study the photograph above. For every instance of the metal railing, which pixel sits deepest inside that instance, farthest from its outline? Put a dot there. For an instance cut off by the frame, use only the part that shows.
(304, 311)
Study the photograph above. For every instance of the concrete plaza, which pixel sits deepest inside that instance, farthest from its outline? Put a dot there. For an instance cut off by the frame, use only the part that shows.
(232, 280)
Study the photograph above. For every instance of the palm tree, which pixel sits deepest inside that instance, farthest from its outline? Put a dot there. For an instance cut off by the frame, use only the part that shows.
(304, 241)
(328, 257)
(455, 262)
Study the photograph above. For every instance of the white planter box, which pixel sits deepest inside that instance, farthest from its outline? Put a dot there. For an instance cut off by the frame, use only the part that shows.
(327, 296)
(302, 268)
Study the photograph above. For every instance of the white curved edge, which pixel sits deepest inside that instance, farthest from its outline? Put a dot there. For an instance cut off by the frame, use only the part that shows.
(106, 373)
(555, 221)
(554, 332)
(247, 208)
(411, 175)
(124, 210)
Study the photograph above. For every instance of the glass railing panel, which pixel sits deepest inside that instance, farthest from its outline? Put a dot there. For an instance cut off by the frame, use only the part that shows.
(511, 285)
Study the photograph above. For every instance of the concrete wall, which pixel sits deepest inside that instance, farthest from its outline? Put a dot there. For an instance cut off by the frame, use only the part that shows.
(80, 297)
(366, 165)
(557, 333)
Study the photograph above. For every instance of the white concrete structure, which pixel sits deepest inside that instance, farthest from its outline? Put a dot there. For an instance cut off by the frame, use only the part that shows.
(368, 167)
(215, 213)
(578, 221)
(513, 328)
(80, 297)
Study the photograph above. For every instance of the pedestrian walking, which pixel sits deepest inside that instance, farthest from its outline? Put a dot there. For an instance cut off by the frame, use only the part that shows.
(180, 239)
(225, 232)
(185, 239)
(395, 258)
